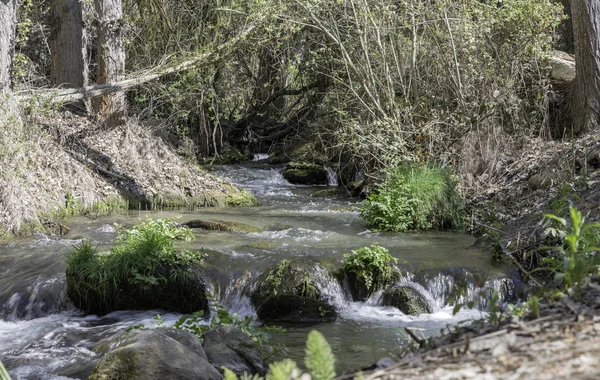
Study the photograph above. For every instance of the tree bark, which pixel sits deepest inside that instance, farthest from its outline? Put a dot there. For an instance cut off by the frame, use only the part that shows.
(68, 44)
(110, 109)
(586, 91)
(8, 22)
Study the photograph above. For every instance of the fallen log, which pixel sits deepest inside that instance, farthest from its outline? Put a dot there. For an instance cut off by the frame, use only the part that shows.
(53, 95)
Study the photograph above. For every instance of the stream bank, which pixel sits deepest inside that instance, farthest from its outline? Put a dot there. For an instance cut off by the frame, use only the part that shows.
(68, 165)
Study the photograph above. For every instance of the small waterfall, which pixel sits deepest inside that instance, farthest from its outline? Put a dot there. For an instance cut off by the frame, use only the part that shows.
(260, 156)
(42, 298)
(332, 178)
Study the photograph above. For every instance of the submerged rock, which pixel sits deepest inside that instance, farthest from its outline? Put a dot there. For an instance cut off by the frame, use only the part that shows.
(154, 354)
(407, 300)
(221, 225)
(330, 192)
(303, 173)
(289, 292)
(230, 347)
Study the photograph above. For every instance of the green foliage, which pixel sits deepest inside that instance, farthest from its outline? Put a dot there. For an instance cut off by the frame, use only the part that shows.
(576, 259)
(414, 198)
(319, 361)
(144, 256)
(373, 265)
(275, 277)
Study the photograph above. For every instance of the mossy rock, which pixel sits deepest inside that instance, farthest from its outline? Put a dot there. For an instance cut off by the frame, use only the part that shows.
(407, 300)
(154, 354)
(181, 297)
(303, 173)
(291, 284)
(330, 192)
(287, 308)
(221, 225)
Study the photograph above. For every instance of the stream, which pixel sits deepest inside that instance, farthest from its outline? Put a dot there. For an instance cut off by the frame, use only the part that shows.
(42, 336)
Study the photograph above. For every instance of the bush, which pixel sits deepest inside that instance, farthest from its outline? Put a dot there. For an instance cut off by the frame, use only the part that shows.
(144, 256)
(414, 198)
(373, 265)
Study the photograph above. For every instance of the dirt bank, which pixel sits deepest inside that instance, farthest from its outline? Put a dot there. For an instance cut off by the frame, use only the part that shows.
(57, 164)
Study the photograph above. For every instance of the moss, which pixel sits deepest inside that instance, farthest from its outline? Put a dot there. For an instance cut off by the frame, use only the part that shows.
(119, 364)
(407, 300)
(242, 198)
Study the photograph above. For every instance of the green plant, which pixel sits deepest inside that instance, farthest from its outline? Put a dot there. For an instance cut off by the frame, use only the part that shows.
(144, 256)
(414, 198)
(373, 265)
(319, 361)
(308, 288)
(576, 259)
(275, 277)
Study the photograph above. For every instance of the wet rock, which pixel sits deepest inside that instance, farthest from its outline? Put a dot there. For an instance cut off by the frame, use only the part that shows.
(330, 192)
(542, 181)
(295, 309)
(302, 173)
(291, 284)
(172, 296)
(155, 354)
(221, 225)
(407, 300)
(230, 347)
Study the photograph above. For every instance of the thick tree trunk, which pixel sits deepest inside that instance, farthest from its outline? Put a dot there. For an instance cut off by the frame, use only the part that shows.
(8, 22)
(586, 91)
(111, 60)
(68, 44)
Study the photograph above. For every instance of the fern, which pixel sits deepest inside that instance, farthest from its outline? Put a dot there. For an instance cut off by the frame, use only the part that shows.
(283, 370)
(319, 358)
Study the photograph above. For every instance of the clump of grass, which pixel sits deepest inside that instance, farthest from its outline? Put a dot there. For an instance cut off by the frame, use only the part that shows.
(414, 198)
(144, 256)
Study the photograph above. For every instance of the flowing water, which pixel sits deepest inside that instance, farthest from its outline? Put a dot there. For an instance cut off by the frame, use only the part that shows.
(42, 336)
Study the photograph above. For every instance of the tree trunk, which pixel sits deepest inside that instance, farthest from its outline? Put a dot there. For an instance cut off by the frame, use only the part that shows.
(8, 22)
(586, 91)
(68, 44)
(111, 60)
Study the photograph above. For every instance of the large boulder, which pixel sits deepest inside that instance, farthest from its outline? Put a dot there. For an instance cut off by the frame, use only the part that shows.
(182, 297)
(154, 354)
(221, 225)
(408, 300)
(291, 284)
(230, 347)
(302, 173)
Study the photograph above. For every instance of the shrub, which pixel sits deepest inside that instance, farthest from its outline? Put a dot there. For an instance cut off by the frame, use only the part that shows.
(414, 198)
(373, 265)
(143, 257)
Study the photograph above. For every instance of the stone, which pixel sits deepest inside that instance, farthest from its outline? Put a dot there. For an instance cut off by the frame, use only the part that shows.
(221, 225)
(303, 173)
(294, 309)
(330, 192)
(230, 347)
(289, 292)
(171, 296)
(542, 181)
(155, 354)
(406, 299)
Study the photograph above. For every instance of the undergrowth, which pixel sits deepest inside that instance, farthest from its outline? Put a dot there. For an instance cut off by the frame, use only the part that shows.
(414, 198)
(143, 257)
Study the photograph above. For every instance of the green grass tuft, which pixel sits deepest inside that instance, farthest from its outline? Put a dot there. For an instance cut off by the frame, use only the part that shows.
(414, 198)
